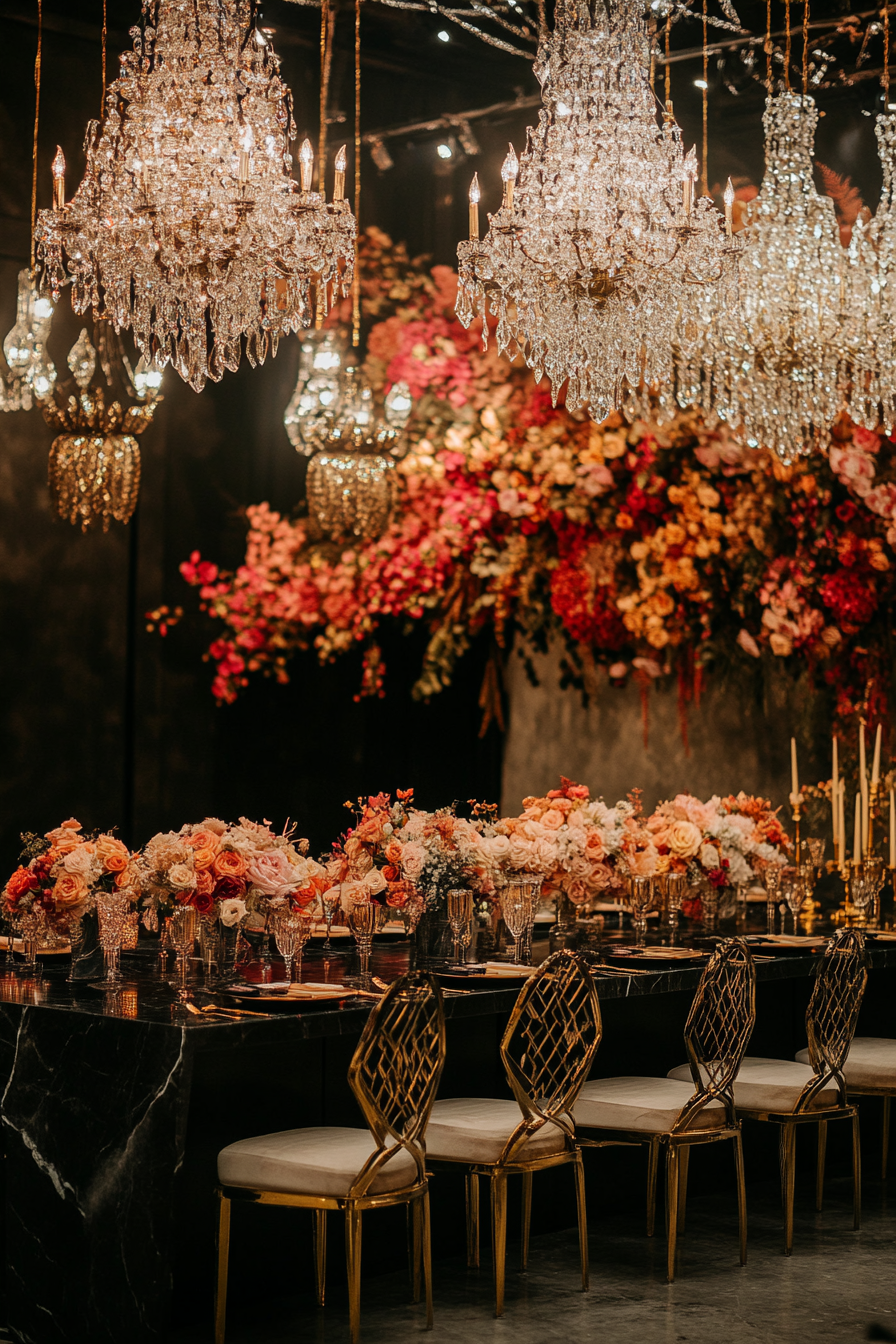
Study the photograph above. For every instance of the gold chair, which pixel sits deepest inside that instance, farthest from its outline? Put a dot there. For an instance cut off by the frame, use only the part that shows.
(547, 1050)
(696, 1108)
(870, 1071)
(394, 1075)
(791, 1094)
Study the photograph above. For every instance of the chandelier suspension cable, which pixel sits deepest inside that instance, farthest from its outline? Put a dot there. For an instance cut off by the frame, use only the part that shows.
(37, 63)
(805, 47)
(704, 185)
(787, 45)
(768, 47)
(326, 60)
(668, 70)
(356, 280)
(886, 76)
(105, 38)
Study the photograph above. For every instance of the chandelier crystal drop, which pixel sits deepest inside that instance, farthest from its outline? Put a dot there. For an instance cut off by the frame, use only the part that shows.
(94, 469)
(872, 293)
(310, 414)
(781, 364)
(599, 252)
(30, 371)
(188, 226)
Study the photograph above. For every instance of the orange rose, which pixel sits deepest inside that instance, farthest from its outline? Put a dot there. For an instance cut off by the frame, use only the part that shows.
(202, 840)
(229, 864)
(391, 873)
(22, 880)
(393, 852)
(114, 854)
(70, 889)
(205, 882)
(203, 858)
(123, 878)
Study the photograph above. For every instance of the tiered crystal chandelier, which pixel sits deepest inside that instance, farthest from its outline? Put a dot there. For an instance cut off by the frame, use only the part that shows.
(188, 226)
(30, 371)
(781, 365)
(872, 278)
(94, 470)
(599, 251)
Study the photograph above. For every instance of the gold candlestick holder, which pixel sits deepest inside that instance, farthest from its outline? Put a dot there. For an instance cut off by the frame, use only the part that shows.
(797, 849)
(873, 794)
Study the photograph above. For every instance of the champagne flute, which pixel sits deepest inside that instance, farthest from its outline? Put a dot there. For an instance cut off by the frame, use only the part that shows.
(774, 877)
(795, 895)
(676, 885)
(460, 917)
(363, 921)
(184, 932)
(640, 897)
(292, 930)
(515, 909)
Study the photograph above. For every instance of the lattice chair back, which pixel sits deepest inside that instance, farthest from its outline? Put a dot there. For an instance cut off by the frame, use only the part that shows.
(833, 1010)
(719, 1027)
(549, 1046)
(396, 1068)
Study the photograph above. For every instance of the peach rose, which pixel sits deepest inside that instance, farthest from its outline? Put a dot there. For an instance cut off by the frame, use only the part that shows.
(552, 819)
(65, 837)
(70, 890)
(113, 854)
(392, 853)
(203, 840)
(79, 860)
(595, 848)
(229, 864)
(181, 877)
(684, 838)
(203, 858)
(205, 882)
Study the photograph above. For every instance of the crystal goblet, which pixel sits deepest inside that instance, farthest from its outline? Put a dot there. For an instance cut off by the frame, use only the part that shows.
(794, 892)
(292, 929)
(329, 901)
(515, 909)
(773, 879)
(675, 888)
(641, 892)
(184, 932)
(112, 910)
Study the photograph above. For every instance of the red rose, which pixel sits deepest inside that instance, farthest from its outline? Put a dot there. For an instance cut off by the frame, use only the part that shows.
(203, 901)
(229, 888)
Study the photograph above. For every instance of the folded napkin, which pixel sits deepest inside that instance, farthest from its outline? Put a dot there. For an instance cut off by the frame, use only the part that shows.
(505, 969)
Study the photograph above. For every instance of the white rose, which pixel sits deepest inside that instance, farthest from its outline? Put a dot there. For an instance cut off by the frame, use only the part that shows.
(520, 852)
(374, 882)
(233, 911)
(709, 858)
(413, 859)
(181, 876)
(497, 847)
(78, 861)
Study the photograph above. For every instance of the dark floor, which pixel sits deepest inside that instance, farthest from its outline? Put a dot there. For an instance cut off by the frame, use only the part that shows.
(839, 1285)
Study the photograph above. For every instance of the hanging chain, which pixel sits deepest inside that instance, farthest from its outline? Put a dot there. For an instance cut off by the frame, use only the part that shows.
(105, 39)
(768, 47)
(326, 62)
(668, 71)
(789, 39)
(805, 47)
(705, 181)
(356, 283)
(886, 57)
(37, 61)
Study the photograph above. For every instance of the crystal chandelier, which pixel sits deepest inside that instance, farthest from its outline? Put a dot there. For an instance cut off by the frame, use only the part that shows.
(30, 371)
(872, 293)
(780, 365)
(349, 482)
(94, 471)
(599, 250)
(310, 414)
(188, 226)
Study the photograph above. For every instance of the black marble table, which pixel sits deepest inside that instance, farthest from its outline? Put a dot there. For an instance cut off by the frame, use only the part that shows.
(114, 1108)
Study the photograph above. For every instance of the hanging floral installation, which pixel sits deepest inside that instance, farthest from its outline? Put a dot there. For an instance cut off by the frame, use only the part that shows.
(650, 551)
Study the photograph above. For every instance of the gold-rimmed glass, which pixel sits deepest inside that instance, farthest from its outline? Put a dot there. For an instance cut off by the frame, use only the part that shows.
(641, 895)
(184, 932)
(675, 885)
(112, 911)
(329, 902)
(460, 917)
(292, 930)
(364, 919)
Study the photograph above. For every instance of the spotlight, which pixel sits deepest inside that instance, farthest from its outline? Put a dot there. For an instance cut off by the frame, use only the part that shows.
(700, 84)
(444, 150)
(381, 156)
(443, 35)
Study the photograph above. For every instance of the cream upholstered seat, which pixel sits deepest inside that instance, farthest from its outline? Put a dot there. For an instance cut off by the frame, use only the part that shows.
(871, 1062)
(547, 1051)
(773, 1085)
(311, 1162)
(649, 1105)
(870, 1071)
(476, 1129)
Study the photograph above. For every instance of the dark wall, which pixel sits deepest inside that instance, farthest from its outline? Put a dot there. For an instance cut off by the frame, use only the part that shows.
(100, 719)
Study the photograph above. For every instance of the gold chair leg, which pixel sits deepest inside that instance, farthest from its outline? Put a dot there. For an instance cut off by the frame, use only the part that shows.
(320, 1253)
(499, 1236)
(671, 1209)
(415, 1212)
(353, 1269)
(653, 1163)
(472, 1185)
(684, 1158)
(427, 1259)
(223, 1260)
(856, 1175)
(527, 1220)
(583, 1219)
(885, 1146)
(819, 1174)
(788, 1176)
(741, 1197)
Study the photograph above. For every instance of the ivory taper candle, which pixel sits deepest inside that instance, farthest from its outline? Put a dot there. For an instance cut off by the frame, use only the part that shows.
(875, 767)
(835, 786)
(892, 829)
(794, 771)
(857, 834)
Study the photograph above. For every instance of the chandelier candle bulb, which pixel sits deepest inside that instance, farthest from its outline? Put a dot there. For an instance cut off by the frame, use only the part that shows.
(794, 772)
(339, 179)
(892, 829)
(306, 164)
(474, 208)
(59, 180)
(857, 834)
(729, 207)
(841, 823)
(509, 173)
(247, 144)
